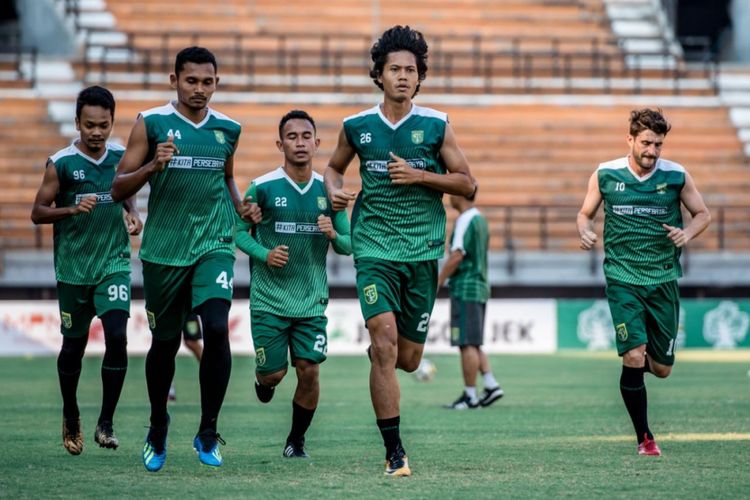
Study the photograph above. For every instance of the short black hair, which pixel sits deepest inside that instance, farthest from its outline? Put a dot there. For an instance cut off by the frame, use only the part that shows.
(95, 96)
(295, 114)
(397, 39)
(648, 119)
(197, 55)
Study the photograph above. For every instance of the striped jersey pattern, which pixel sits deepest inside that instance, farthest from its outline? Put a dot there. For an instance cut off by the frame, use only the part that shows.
(389, 221)
(636, 247)
(89, 247)
(190, 212)
(290, 217)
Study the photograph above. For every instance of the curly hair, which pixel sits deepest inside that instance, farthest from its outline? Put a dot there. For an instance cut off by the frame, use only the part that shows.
(648, 119)
(397, 39)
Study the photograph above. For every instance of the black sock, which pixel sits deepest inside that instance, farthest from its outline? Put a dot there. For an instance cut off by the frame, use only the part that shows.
(389, 429)
(301, 418)
(115, 362)
(159, 375)
(633, 391)
(216, 363)
(69, 371)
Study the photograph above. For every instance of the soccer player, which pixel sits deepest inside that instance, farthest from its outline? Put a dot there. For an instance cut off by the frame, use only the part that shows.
(185, 151)
(289, 286)
(467, 269)
(643, 237)
(408, 157)
(92, 259)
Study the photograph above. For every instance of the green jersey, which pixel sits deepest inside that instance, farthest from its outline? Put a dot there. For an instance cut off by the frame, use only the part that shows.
(190, 211)
(290, 217)
(636, 247)
(89, 247)
(397, 222)
(470, 237)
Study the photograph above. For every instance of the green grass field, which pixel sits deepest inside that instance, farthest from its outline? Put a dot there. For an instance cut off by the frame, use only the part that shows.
(560, 431)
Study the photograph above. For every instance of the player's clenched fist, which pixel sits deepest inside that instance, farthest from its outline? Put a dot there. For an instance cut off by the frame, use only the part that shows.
(85, 206)
(588, 240)
(340, 199)
(325, 224)
(278, 257)
(164, 153)
(250, 211)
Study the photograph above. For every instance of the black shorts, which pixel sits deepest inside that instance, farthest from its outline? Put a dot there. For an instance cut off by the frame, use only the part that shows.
(467, 323)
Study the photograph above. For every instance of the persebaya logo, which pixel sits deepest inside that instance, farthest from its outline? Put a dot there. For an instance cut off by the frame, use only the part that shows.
(417, 136)
(260, 356)
(322, 202)
(595, 326)
(67, 321)
(622, 332)
(219, 136)
(151, 319)
(726, 325)
(371, 294)
(661, 188)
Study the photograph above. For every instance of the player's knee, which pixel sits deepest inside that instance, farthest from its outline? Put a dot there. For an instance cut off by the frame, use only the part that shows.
(384, 353)
(661, 371)
(115, 325)
(272, 379)
(635, 358)
(307, 372)
(409, 361)
(214, 315)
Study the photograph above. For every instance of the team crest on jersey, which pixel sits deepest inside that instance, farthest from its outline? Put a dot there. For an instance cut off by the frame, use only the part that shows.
(417, 136)
(661, 188)
(371, 294)
(67, 320)
(219, 136)
(622, 332)
(151, 319)
(260, 356)
(322, 202)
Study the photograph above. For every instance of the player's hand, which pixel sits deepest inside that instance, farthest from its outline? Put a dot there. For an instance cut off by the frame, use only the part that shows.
(588, 240)
(165, 151)
(403, 173)
(134, 223)
(340, 199)
(278, 257)
(85, 206)
(677, 235)
(325, 224)
(250, 211)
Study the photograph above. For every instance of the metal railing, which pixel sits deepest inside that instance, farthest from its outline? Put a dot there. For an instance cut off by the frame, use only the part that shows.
(513, 229)
(22, 58)
(522, 59)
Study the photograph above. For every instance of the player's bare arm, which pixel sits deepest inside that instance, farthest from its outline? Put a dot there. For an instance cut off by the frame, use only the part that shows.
(247, 209)
(334, 174)
(585, 218)
(450, 267)
(457, 181)
(701, 217)
(132, 172)
(43, 212)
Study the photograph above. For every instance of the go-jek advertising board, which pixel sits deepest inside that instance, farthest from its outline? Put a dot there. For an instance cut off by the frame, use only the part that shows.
(511, 326)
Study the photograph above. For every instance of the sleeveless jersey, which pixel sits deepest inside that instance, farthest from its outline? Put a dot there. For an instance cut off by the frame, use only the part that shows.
(89, 247)
(290, 217)
(389, 221)
(636, 247)
(190, 212)
(471, 237)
